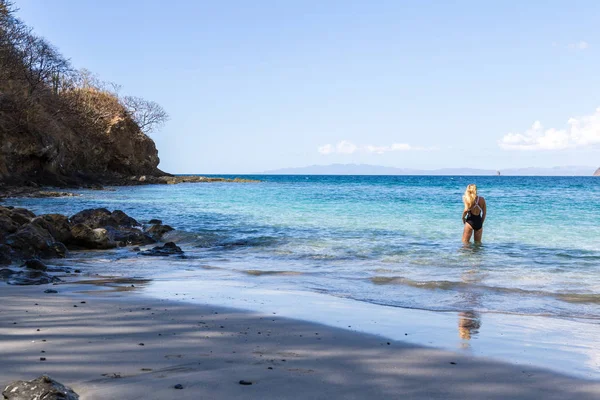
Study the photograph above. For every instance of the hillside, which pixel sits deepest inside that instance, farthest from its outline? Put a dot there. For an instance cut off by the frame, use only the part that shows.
(60, 126)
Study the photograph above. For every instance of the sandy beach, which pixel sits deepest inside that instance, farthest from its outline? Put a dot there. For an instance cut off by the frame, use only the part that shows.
(120, 345)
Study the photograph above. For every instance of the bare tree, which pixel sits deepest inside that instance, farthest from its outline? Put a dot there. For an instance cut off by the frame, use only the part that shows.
(149, 115)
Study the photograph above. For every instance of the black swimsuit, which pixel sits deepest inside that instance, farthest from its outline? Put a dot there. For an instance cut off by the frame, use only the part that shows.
(475, 221)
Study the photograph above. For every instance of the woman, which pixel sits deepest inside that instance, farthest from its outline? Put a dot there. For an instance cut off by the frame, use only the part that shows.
(473, 215)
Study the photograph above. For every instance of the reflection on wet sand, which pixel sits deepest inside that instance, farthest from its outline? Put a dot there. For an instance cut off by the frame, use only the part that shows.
(109, 284)
(469, 321)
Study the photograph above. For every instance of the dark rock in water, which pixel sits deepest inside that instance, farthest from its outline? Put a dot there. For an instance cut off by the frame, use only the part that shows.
(243, 382)
(31, 277)
(6, 273)
(37, 265)
(42, 388)
(124, 220)
(58, 225)
(88, 238)
(50, 291)
(57, 249)
(42, 194)
(155, 222)
(166, 250)
(7, 224)
(5, 255)
(158, 230)
(129, 236)
(21, 215)
(31, 240)
(102, 218)
(178, 386)
(93, 218)
(34, 263)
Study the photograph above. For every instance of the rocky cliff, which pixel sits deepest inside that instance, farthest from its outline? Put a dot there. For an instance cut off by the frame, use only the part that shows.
(38, 146)
(597, 173)
(60, 126)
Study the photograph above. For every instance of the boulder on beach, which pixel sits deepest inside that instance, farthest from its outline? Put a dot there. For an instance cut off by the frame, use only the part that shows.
(42, 388)
(88, 238)
(34, 263)
(23, 235)
(21, 215)
(7, 224)
(27, 277)
(168, 249)
(129, 236)
(157, 231)
(5, 255)
(58, 225)
(102, 218)
(31, 240)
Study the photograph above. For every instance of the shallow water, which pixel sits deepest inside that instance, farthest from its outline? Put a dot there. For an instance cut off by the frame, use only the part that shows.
(385, 241)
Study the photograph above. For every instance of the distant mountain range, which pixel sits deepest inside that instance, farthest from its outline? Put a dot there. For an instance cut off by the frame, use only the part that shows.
(365, 169)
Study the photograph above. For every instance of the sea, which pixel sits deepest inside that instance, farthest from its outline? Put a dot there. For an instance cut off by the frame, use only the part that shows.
(381, 255)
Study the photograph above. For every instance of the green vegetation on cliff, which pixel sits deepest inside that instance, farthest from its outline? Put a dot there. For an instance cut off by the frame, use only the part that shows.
(61, 126)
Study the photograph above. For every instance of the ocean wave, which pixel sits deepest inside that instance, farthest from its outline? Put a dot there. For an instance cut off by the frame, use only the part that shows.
(258, 241)
(581, 298)
(256, 272)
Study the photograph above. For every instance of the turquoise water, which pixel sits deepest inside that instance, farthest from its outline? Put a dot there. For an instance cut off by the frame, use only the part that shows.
(388, 240)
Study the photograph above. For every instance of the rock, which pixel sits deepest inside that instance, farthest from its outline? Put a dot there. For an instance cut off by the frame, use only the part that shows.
(58, 225)
(129, 236)
(21, 215)
(5, 255)
(166, 250)
(30, 277)
(43, 194)
(7, 224)
(124, 220)
(178, 386)
(42, 388)
(102, 218)
(158, 230)
(155, 222)
(88, 238)
(57, 249)
(35, 264)
(31, 240)
(244, 382)
(597, 173)
(50, 291)
(6, 273)
(93, 218)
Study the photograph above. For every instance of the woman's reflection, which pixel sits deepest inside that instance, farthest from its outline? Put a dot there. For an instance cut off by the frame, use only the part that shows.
(469, 320)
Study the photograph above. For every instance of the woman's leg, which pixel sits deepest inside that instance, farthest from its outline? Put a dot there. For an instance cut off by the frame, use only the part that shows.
(467, 233)
(478, 235)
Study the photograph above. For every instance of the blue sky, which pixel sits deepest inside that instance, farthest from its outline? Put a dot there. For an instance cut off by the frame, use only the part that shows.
(258, 85)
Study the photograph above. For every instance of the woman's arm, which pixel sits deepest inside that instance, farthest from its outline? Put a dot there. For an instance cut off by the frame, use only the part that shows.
(484, 208)
(464, 216)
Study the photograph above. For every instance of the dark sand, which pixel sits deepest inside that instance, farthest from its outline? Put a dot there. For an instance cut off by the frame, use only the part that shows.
(120, 345)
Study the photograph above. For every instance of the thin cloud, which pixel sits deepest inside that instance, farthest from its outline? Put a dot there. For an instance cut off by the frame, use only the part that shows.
(387, 149)
(581, 45)
(346, 147)
(581, 132)
(343, 147)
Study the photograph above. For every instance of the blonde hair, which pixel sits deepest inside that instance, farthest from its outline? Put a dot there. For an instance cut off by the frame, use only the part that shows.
(469, 196)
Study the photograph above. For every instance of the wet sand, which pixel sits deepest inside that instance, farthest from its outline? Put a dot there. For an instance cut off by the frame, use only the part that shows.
(120, 345)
